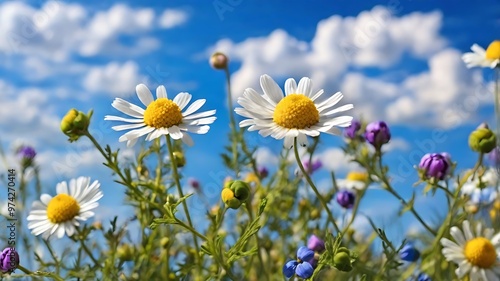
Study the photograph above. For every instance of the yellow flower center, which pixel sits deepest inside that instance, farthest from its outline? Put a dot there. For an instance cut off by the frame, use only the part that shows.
(357, 176)
(480, 252)
(296, 111)
(62, 208)
(162, 113)
(493, 51)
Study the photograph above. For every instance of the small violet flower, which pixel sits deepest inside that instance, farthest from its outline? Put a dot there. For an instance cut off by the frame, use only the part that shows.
(316, 244)
(9, 260)
(312, 166)
(345, 198)
(301, 267)
(377, 134)
(435, 165)
(263, 172)
(27, 155)
(409, 253)
(351, 131)
(194, 183)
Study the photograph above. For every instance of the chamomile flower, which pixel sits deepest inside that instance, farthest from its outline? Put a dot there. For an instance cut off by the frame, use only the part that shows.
(161, 116)
(297, 114)
(475, 253)
(483, 58)
(61, 214)
(354, 181)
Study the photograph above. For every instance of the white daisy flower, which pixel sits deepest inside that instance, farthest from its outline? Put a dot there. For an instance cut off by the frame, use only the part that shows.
(161, 116)
(298, 114)
(483, 58)
(474, 253)
(60, 214)
(474, 186)
(354, 181)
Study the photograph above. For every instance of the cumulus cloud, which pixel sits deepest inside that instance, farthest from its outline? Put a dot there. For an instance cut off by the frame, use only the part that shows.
(334, 159)
(114, 78)
(265, 157)
(171, 18)
(58, 30)
(343, 47)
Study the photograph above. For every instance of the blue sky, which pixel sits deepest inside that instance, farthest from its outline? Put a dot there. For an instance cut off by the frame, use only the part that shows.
(397, 61)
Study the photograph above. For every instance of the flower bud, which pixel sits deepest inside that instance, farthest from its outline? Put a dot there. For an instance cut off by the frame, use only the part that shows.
(164, 242)
(9, 260)
(219, 61)
(125, 252)
(235, 193)
(345, 198)
(315, 214)
(75, 124)
(27, 155)
(377, 134)
(435, 165)
(482, 140)
(409, 253)
(352, 131)
(180, 160)
(342, 260)
(263, 172)
(316, 244)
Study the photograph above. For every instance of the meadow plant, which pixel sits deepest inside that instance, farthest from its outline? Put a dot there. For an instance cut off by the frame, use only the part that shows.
(269, 223)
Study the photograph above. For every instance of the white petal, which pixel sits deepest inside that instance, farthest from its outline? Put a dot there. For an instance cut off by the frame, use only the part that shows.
(337, 110)
(45, 198)
(174, 132)
(199, 115)
(116, 118)
(161, 92)
(331, 101)
(127, 127)
(186, 138)
(144, 94)
(182, 99)
(304, 87)
(290, 86)
(271, 89)
(288, 142)
(128, 108)
(302, 140)
(193, 107)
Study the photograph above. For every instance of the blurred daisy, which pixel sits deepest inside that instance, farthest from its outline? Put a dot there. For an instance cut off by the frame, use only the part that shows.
(354, 181)
(298, 114)
(60, 214)
(161, 116)
(483, 58)
(474, 253)
(474, 186)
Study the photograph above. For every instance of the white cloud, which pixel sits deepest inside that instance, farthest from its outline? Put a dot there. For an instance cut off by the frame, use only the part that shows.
(440, 96)
(171, 18)
(265, 157)
(114, 78)
(334, 159)
(397, 144)
(373, 38)
(58, 30)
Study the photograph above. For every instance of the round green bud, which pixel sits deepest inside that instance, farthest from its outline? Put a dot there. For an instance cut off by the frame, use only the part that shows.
(125, 252)
(180, 160)
(219, 61)
(342, 261)
(75, 124)
(482, 140)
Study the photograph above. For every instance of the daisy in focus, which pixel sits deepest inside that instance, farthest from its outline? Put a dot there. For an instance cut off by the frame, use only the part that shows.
(161, 116)
(61, 214)
(297, 114)
(475, 253)
(483, 58)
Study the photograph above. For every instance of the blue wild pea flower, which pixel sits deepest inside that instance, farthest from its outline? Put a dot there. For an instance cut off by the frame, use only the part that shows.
(301, 267)
(409, 253)
(423, 277)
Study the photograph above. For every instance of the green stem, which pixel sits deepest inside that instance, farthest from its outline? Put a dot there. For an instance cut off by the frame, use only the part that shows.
(86, 249)
(175, 175)
(259, 255)
(190, 228)
(40, 273)
(389, 188)
(309, 180)
(232, 123)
